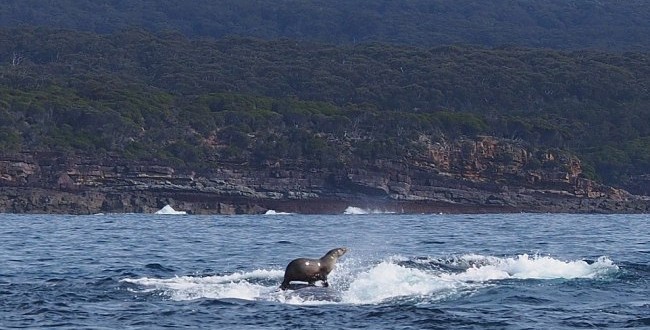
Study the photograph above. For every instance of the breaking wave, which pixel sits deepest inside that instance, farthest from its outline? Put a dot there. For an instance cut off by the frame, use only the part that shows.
(353, 210)
(169, 210)
(394, 278)
(274, 212)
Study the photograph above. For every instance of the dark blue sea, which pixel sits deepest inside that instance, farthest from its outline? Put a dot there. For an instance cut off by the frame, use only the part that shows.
(496, 271)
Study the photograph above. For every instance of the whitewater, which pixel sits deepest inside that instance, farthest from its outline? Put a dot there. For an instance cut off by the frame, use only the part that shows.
(386, 280)
(430, 271)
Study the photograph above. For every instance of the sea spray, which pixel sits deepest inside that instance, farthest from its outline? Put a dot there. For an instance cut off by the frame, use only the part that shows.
(389, 280)
(168, 209)
(241, 285)
(353, 210)
(274, 212)
(531, 267)
(396, 277)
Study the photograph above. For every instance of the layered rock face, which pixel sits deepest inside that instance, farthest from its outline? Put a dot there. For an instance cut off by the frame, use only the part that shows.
(481, 175)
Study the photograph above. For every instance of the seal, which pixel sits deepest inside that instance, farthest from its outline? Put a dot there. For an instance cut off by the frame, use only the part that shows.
(312, 270)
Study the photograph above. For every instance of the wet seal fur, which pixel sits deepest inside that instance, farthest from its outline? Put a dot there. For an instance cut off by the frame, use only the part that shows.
(312, 270)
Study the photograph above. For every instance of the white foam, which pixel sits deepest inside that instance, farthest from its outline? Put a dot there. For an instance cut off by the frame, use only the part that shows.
(388, 280)
(169, 210)
(356, 282)
(235, 285)
(274, 212)
(353, 210)
(532, 267)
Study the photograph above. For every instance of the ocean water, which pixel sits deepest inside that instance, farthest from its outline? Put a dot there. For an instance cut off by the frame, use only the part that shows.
(150, 271)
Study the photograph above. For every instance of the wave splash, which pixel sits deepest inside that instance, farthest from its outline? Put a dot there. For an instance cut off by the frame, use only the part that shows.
(168, 209)
(353, 210)
(274, 212)
(392, 278)
(245, 285)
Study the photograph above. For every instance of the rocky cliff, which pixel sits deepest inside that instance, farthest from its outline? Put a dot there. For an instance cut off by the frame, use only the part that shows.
(480, 175)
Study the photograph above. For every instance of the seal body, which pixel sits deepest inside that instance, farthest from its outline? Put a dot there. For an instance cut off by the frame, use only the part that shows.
(311, 270)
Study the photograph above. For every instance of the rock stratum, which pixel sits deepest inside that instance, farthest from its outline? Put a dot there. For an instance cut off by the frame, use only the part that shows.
(461, 176)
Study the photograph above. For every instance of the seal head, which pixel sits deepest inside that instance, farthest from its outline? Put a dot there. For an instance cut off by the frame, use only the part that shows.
(312, 270)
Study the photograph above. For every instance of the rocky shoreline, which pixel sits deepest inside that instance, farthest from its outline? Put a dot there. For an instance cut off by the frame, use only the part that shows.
(48, 201)
(37, 200)
(445, 182)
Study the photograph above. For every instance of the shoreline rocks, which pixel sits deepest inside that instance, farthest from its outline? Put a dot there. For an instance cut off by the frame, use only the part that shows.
(466, 176)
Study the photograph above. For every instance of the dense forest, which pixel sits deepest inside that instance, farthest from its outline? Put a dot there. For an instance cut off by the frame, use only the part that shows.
(200, 103)
(559, 24)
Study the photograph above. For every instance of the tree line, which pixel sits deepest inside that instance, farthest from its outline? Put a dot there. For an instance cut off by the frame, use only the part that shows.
(558, 24)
